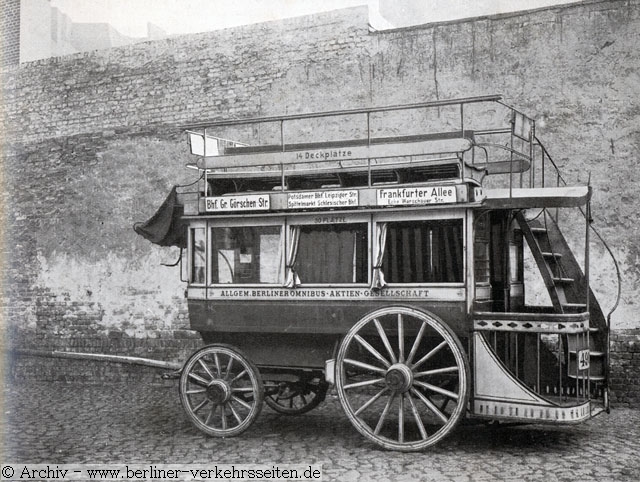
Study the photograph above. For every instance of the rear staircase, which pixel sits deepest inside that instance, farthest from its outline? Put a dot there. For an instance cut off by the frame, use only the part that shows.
(567, 287)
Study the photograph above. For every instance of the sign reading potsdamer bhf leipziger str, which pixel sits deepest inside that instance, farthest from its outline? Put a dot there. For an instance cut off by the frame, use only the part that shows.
(322, 199)
(403, 196)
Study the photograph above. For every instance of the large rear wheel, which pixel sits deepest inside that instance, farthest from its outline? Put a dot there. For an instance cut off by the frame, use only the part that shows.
(402, 377)
(221, 390)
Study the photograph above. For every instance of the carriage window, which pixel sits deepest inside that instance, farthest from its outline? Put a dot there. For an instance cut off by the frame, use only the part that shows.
(424, 252)
(333, 254)
(198, 254)
(246, 255)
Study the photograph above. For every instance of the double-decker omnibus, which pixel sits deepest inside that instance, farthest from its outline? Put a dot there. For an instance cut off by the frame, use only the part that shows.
(386, 252)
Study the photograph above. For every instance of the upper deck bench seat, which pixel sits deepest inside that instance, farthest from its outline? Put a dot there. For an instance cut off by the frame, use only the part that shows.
(266, 156)
(348, 143)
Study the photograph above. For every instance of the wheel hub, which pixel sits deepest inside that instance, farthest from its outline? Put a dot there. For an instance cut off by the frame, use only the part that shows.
(399, 377)
(218, 392)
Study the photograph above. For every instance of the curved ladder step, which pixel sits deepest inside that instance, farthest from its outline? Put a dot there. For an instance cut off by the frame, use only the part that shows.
(547, 254)
(566, 281)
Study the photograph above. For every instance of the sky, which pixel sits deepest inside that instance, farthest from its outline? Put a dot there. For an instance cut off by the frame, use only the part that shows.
(130, 17)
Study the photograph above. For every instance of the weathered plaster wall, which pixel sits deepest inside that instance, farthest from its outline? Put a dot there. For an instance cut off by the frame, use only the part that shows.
(92, 144)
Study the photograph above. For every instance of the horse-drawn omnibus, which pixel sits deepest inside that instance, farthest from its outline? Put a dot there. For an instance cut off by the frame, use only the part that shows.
(386, 252)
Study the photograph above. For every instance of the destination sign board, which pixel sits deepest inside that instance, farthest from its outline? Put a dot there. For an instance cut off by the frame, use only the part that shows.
(322, 199)
(249, 202)
(404, 196)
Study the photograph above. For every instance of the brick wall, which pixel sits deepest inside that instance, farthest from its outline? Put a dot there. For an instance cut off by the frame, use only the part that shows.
(92, 145)
(10, 32)
(625, 368)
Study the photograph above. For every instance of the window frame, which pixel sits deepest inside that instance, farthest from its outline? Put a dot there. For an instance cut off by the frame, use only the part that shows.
(246, 223)
(192, 227)
(435, 215)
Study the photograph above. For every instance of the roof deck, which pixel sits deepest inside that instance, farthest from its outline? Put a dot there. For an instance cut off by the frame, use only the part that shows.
(472, 150)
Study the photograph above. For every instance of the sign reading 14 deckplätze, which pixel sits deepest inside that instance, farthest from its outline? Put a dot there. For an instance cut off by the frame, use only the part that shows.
(403, 196)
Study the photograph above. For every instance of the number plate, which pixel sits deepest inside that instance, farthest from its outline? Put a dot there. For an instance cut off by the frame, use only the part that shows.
(583, 360)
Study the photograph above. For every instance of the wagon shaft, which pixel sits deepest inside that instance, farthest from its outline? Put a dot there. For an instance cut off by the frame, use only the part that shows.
(126, 360)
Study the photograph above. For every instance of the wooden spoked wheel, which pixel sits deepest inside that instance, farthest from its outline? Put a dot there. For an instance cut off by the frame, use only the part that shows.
(221, 390)
(402, 377)
(295, 398)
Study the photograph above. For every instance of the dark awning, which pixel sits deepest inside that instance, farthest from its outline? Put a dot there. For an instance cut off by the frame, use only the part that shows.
(165, 227)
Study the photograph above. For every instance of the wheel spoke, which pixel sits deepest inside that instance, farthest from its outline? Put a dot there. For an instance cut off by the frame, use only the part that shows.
(223, 417)
(416, 416)
(217, 361)
(238, 376)
(200, 405)
(228, 372)
(193, 392)
(384, 414)
(206, 368)
(371, 400)
(436, 371)
(235, 414)
(385, 340)
(364, 384)
(433, 388)
(416, 343)
(430, 405)
(241, 402)
(400, 338)
(401, 419)
(444, 404)
(366, 366)
(212, 412)
(372, 350)
(242, 389)
(199, 379)
(429, 355)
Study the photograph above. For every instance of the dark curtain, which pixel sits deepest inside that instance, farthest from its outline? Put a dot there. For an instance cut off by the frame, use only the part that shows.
(165, 227)
(424, 252)
(332, 255)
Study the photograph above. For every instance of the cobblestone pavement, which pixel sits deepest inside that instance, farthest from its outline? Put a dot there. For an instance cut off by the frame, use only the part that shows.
(67, 423)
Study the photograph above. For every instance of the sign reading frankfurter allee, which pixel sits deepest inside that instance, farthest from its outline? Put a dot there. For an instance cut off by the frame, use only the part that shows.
(403, 196)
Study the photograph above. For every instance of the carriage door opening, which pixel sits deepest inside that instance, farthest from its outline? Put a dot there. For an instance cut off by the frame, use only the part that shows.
(505, 261)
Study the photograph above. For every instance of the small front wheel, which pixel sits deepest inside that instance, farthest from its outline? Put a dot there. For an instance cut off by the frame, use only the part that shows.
(402, 377)
(221, 390)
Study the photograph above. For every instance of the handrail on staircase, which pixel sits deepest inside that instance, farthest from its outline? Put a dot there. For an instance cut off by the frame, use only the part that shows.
(559, 178)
